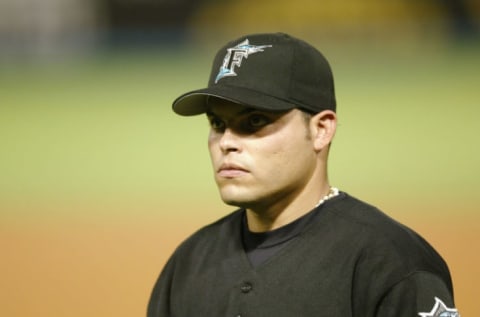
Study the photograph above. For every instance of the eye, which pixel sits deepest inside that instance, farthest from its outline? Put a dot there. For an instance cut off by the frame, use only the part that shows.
(216, 123)
(257, 120)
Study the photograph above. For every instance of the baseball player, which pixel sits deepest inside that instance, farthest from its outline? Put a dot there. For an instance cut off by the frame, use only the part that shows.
(296, 246)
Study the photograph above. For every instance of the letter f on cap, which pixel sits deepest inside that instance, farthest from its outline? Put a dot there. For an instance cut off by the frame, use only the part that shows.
(235, 56)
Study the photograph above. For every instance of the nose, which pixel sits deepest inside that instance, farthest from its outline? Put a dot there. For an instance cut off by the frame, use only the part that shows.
(229, 141)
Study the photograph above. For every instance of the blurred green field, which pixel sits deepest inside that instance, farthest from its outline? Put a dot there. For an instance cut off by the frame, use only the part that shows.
(99, 180)
(102, 128)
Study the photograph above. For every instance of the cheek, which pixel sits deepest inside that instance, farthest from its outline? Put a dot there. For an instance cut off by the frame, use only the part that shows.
(284, 145)
(272, 155)
(293, 155)
(212, 143)
(210, 138)
(213, 151)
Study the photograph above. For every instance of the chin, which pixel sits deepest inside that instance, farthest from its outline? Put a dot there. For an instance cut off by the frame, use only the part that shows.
(232, 201)
(234, 198)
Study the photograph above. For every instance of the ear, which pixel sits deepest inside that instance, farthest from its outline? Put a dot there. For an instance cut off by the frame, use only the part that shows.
(322, 127)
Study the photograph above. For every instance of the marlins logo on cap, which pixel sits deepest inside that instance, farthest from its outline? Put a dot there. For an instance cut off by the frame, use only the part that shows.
(235, 56)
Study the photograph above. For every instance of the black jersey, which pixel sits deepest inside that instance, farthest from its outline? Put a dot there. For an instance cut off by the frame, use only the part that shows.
(349, 260)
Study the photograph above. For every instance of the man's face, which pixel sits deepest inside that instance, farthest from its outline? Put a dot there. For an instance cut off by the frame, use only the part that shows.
(259, 158)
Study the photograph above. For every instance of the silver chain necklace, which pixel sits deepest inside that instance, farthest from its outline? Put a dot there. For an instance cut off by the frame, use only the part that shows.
(332, 192)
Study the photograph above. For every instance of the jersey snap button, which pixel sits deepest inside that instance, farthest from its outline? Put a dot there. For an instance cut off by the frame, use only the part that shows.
(246, 287)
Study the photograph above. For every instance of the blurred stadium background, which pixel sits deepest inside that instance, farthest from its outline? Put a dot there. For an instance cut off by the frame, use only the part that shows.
(99, 181)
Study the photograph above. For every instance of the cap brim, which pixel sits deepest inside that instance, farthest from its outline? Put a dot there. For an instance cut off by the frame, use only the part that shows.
(195, 102)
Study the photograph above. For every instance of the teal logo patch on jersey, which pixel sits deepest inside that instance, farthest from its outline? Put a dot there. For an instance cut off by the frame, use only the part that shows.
(234, 58)
(440, 310)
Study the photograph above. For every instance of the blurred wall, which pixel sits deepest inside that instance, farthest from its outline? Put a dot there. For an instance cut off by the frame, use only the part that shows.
(58, 27)
(47, 27)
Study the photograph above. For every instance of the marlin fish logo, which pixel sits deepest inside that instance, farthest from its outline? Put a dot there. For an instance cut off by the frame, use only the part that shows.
(235, 56)
(440, 310)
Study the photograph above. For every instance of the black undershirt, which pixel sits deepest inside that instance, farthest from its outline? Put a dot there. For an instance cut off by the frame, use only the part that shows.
(260, 246)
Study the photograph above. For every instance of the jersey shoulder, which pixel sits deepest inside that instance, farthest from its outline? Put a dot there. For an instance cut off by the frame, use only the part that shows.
(222, 234)
(382, 237)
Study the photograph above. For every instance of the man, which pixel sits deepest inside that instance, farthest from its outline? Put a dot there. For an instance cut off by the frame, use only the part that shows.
(296, 247)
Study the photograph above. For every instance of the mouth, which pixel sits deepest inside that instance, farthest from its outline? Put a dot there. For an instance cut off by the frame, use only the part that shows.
(231, 171)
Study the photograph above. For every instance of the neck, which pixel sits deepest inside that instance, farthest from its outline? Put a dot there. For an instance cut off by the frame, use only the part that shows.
(283, 212)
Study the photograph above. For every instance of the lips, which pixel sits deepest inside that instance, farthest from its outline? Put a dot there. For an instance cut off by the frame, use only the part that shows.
(228, 170)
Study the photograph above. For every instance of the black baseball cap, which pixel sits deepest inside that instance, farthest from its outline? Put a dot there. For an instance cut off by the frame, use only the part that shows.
(273, 72)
